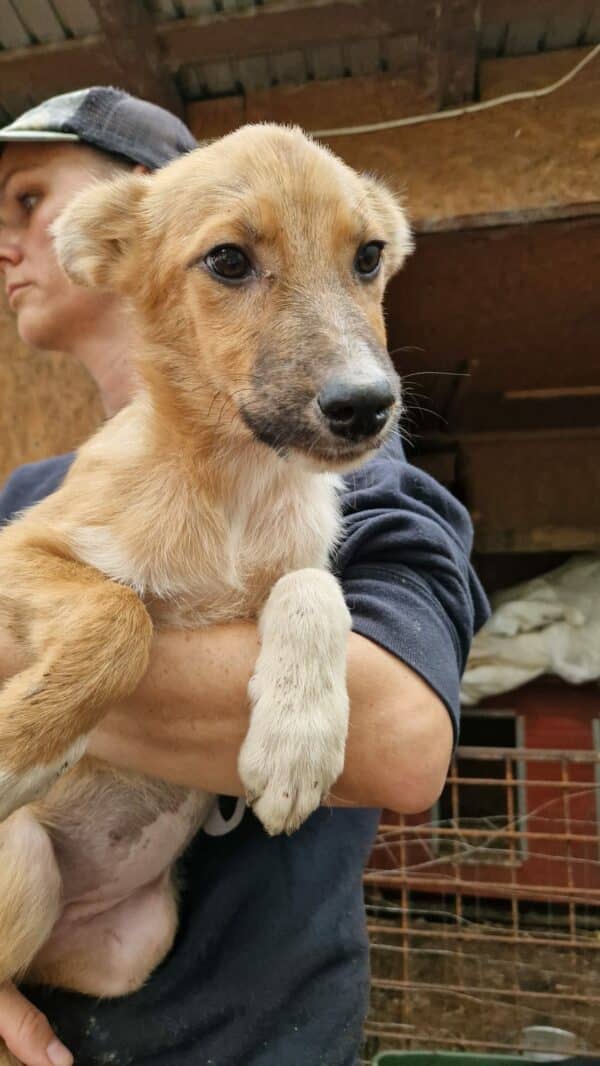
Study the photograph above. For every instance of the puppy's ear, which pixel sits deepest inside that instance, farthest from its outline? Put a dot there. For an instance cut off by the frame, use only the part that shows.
(92, 235)
(394, 221)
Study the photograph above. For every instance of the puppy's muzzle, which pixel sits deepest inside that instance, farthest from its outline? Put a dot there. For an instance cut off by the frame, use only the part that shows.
(356, 411)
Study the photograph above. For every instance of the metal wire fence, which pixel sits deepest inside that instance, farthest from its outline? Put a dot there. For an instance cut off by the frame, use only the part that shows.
(484, 914)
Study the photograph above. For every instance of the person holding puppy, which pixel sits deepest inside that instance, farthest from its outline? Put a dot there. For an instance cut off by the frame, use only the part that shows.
(270, 962)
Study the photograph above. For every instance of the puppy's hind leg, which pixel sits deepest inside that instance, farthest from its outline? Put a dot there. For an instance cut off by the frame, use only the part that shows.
(30, 892)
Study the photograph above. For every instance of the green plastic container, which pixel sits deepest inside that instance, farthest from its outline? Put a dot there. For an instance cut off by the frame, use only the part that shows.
(448, 1058)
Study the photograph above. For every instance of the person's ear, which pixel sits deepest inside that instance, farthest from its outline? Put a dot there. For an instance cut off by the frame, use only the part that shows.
(94, 232)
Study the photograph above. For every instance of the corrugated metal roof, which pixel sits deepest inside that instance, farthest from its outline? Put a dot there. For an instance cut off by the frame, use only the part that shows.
(28, 24)
(31, 22)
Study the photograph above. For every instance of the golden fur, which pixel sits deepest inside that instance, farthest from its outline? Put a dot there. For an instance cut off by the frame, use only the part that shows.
(212, 496)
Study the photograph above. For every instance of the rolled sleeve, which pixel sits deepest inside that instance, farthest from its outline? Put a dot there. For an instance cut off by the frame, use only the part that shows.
(405, 570)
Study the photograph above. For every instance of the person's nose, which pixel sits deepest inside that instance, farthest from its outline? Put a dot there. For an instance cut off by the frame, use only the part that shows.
(11, 248)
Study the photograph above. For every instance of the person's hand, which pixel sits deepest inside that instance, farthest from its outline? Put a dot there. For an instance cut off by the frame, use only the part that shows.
(27, 1032)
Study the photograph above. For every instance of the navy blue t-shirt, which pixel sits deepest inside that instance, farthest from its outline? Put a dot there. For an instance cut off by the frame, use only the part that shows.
(270, 963)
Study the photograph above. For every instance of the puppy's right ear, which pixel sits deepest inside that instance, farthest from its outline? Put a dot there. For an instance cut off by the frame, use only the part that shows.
(92, 235)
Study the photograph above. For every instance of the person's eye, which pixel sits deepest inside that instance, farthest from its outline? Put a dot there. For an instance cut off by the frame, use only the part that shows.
(229, 263)
(28, 201)
(368, 259)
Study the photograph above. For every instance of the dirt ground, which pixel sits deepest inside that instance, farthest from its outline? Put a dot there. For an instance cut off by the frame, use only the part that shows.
(464, 988)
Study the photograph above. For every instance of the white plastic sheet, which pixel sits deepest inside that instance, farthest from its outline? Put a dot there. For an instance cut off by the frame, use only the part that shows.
(550, 625)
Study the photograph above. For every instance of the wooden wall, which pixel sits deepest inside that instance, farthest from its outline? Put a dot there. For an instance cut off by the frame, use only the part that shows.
(48, 403)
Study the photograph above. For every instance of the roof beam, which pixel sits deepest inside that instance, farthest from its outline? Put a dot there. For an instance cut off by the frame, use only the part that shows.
(140, 51)
(279, 27)
(448, 51)
(136, 52)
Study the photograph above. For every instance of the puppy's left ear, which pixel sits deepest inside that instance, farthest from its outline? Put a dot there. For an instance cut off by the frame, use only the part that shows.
(93, 234)
(394, 222)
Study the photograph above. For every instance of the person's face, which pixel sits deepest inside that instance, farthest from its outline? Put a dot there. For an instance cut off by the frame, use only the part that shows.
(36, 182)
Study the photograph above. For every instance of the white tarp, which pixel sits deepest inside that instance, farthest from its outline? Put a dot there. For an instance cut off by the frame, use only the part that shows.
(550, 625)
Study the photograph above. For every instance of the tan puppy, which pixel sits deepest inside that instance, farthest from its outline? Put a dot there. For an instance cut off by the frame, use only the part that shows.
(256, 267)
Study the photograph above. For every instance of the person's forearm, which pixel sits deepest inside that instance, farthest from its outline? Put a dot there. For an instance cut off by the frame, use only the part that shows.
(188, 718)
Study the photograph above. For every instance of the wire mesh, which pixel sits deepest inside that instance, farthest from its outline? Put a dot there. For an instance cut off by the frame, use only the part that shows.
(484, 914)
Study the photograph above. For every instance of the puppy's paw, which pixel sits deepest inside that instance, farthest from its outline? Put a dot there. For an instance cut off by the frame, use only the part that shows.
(288, 766)
(18, 788)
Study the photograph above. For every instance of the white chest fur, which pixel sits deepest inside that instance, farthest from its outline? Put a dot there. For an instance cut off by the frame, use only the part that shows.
(196, 560)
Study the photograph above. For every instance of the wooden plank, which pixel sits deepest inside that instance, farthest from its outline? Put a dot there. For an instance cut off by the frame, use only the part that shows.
(141, 51)
(135, 52)
(12, 31)
(492, 38)
(458, 51)
(162, 9)
(515, 10)
(40, 20)
(592, 30)
(363, 57)
(559, 212)
(253, 73)
(525, 35)
(524, 73)
(565, 30)
(448, 51)
(49, 402)
(218, 77)
(487, 298)
(275, 27)
(399, 53)
(533, 491)
(527, 156)
(326, 61)
(289, 67)
(543, 539)
(77, 16)
(28, 76)
(371, 98)
(198, 7)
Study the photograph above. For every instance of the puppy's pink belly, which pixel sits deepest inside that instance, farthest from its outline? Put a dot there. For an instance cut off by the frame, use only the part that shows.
(99, 871)
(115, 840)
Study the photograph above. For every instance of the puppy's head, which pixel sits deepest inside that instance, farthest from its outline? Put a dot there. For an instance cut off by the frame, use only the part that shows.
(257, 266)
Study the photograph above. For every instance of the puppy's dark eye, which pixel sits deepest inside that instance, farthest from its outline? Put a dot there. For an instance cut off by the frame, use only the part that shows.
(368, 259)
(229, 263)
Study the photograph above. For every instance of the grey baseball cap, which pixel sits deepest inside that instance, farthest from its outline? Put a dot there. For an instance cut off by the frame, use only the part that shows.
(109, 119)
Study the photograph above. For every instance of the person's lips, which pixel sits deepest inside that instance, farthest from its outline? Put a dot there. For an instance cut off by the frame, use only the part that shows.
(15, 288)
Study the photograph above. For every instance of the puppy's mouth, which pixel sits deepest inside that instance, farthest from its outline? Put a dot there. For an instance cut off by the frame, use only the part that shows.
(329, 435)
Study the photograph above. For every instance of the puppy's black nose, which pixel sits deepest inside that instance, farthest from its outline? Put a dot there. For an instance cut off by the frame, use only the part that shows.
(356, 411)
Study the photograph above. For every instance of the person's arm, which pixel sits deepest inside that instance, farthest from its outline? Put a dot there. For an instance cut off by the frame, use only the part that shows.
(414, 600)
(188, 718)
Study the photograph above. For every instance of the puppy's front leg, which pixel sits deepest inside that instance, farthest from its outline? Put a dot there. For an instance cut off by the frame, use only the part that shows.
(88, 642)
(294, 749)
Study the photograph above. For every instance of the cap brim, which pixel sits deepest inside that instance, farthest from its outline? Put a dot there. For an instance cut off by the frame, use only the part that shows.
(36, 135)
